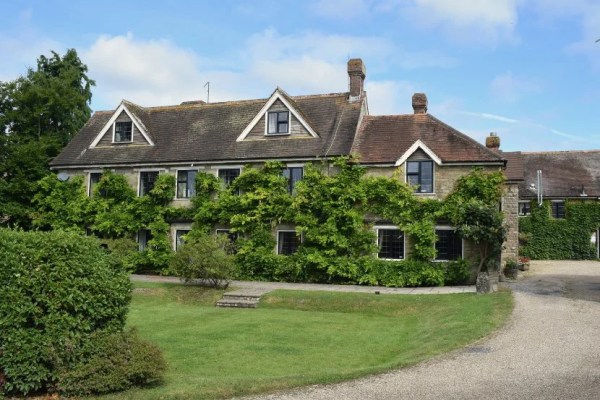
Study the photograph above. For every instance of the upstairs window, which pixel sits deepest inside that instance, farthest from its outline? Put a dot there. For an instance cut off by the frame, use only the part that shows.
(293, 175)
(558, 209)
(448, 246)
(420, 175)
(186, 184)
(228, 175)
(524, 208)
(390, 243)
(94, 179)
(147, 181)
(287, 242)
(123, 132)
(278, 123)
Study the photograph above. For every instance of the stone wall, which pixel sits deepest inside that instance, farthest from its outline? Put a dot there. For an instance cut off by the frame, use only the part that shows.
(510, 207)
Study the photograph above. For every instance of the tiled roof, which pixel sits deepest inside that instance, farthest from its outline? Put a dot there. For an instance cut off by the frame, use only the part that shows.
(208, 132)
(514, 165)
(564, 174)
(384, 139)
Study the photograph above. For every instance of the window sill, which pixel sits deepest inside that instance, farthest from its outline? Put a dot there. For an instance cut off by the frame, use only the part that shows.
(391, 259)
(278, 134)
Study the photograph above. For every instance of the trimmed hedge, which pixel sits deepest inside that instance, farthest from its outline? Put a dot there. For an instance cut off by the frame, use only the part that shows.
(57, 289)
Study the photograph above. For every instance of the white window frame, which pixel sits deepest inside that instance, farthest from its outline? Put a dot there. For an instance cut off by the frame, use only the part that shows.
(377, 228)
(177, 229)
(177, 174)
(139, 183)
(89, 179)
(289, 132)
(277, 239)
(114, 129)
(462, 243)
(519, 208)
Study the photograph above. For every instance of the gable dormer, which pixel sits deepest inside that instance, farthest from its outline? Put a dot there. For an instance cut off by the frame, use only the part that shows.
(420, 165)
(280, 117)
(123, 128)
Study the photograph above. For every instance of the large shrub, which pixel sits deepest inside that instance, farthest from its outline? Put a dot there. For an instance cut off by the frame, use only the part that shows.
(56, 290)
(204, 257)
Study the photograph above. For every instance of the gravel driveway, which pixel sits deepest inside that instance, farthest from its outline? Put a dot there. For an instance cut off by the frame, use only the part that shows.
(550, 349)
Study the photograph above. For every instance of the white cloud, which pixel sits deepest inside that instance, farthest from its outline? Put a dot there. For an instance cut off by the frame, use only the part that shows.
(510, 88)
(157, 72)
(486, 21)
(494, 117)
(389, 97)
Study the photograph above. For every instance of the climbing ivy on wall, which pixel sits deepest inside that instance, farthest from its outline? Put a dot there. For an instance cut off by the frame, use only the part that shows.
(543, 237)
(333, 208)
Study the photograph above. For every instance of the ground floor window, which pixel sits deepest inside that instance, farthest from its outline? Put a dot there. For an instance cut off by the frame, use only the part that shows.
(287, 242)
(180, 237)
(232, 236)
(448, 245)
(144, 236)
(390, 242)
(524, 208)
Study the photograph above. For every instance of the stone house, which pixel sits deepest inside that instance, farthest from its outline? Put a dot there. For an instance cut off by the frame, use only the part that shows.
(222, 138)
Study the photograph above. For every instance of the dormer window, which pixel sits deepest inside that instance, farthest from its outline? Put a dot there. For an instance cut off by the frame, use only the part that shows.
(123, 132)
(278, 123)
(420, 175)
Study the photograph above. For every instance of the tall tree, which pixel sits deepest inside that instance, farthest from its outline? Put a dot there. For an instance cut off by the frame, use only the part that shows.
(39, 113)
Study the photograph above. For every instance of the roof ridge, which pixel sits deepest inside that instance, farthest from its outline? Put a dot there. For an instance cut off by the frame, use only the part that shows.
(560, 151)
(466, 137)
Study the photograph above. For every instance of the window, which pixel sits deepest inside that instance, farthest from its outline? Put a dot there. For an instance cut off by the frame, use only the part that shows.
(147, 180)
(448, 246)
(420, 174)
(390, 243)
(228, 175)
(293, 175)
(232, 236)
(144, 236)
(278, 123)
(94, 179)
(524, 208)
(287, 242)
(558, 209)
(180, 237)
(123, 132)
(186, 184)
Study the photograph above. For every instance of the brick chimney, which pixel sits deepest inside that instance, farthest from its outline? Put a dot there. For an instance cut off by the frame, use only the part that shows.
(419, 103)
(493, 141)
(357, 73)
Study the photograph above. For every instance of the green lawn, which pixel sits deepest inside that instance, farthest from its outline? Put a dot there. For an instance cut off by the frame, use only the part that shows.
(298, 338)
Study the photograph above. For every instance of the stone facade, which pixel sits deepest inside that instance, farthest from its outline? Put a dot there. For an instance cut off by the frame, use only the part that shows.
(510, 207)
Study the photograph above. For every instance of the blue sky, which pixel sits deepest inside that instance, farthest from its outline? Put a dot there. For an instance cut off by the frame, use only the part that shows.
(526, 69)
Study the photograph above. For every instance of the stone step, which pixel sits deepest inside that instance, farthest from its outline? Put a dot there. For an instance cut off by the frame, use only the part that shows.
(241, 296)
(237, 303)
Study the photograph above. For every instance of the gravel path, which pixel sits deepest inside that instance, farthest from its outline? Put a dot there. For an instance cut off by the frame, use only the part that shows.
(550, 349)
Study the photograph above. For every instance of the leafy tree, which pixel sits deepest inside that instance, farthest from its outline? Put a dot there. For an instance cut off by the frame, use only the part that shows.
(39, 113)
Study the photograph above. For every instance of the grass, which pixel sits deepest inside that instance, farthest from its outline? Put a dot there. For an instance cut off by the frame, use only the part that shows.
(298, 338)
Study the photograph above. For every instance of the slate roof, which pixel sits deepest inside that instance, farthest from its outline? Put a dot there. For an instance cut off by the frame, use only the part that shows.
(208, 132)
(564, 174)
(384, 139)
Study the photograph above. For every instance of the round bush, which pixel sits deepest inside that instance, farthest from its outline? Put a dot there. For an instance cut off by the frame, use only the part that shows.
(57, 289)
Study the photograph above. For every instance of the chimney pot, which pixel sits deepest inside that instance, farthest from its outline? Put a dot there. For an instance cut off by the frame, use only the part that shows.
(357, 73)
(492, 141)
(419, 103)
